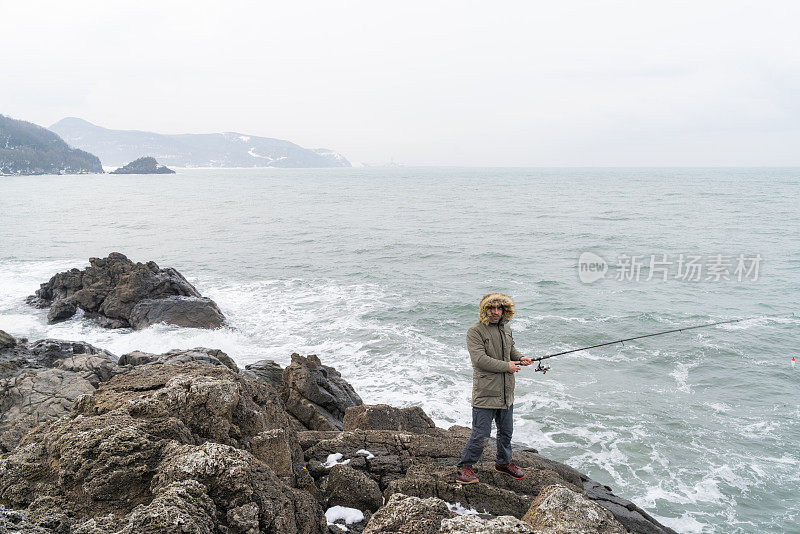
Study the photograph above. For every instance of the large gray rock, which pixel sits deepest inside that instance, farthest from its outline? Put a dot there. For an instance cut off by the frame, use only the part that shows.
(405, 514)
(181, 507)
(197, 354)
(212, 401)
(316, 394)
(17, 521)
(19, 352)
(40, 381)
(495, 494)
(216, 404)
(629, 514)
(111, 288)
(191, 312)
(6, 340)
(423, 465)
(384, 417)
(353, 489)
(561, 510)
(61, 310)
(472, 524)
(267, 371)
(278, 448)
(164, 448)
(246, 490)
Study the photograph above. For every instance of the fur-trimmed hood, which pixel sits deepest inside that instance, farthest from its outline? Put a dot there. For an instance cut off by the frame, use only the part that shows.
(496, 299)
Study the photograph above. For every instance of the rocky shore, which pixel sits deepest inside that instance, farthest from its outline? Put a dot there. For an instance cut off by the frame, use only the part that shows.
(186, 441)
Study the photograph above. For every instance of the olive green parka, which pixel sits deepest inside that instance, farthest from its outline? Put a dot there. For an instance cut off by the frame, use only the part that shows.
(491, 347)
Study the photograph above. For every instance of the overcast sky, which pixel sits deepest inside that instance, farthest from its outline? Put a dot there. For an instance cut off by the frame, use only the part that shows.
(426, 83)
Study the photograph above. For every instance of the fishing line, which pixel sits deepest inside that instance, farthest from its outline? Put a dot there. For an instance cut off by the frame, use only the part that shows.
(545, 368)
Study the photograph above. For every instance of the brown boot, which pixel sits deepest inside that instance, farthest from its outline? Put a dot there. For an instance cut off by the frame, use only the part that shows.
(510, 469)
(465, 475)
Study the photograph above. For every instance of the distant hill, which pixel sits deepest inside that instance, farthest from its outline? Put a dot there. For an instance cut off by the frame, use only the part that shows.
(143, 166)
(26, 148)
(230, 149)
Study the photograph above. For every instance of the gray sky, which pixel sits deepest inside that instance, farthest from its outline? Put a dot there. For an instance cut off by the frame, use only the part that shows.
(427, 83)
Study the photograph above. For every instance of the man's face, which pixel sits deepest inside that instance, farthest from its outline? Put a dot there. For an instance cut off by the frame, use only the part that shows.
(495, 313)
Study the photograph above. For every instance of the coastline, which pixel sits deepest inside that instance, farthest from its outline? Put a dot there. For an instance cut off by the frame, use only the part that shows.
(301, 431)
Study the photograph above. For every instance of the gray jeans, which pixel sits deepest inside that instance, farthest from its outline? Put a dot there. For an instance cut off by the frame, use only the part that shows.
(482, 427)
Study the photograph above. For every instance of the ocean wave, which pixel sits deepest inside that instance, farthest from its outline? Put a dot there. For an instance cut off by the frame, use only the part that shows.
(20, 278)
(759, 430)
(719, 407)
(681, 375)
(580, 320)
(686, 523)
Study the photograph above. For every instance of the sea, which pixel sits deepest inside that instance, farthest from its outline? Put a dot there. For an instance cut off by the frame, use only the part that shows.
(379, 271)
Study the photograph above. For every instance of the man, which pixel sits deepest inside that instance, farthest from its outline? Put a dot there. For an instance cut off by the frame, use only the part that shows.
(494, 362)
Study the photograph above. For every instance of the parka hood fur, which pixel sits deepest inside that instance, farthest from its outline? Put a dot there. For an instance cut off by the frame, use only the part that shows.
(495, 299)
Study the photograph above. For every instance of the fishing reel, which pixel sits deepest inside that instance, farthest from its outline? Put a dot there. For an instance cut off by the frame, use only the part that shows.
(542, 368)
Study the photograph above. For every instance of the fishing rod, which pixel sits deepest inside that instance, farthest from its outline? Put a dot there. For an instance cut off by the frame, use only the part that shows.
(545, 368)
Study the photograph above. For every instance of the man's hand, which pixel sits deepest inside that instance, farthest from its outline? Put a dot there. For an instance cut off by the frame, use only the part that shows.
(513, 367)
(525, 361)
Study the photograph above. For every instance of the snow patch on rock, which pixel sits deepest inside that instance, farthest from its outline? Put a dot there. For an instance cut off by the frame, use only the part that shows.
(343, 513)
(333, 459)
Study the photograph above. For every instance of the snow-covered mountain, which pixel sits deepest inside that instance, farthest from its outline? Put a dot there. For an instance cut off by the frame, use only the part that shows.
(229, 149)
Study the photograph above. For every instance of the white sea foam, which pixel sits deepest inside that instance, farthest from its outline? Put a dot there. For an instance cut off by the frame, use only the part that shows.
(785, 459)
(579, 320)
(609, 458)
(390, 363)
(748, 323)
(686, 523)
(720, 407)
(18, 279)
(605, 354)
(705, 490)
(759, 429)
(711, 487)
(681, 375)
(726, 473)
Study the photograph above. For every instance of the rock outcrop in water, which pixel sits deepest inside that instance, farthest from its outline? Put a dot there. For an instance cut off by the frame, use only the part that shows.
(186, 442)
(146, 165)
(119, 293)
